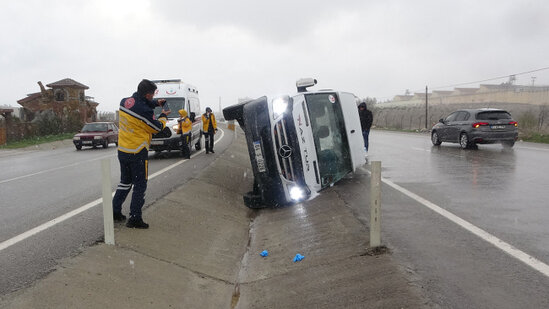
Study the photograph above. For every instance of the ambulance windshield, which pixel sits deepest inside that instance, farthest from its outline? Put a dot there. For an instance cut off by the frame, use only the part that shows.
(174, 104)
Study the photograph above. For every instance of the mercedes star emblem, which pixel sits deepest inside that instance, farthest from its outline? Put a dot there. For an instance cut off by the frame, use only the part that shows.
(285, 151)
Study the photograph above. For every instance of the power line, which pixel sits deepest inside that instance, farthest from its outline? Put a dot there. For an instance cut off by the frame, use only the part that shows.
(491, 79)
(475, 82)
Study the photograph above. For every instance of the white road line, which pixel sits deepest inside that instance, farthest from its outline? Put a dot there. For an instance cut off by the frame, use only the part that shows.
(53, 169)
(181, 162)
(12, 241)
(532, 148)
(421, 149)
(500, 244)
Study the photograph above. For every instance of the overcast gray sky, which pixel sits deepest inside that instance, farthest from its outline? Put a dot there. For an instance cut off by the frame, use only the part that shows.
(246, 48)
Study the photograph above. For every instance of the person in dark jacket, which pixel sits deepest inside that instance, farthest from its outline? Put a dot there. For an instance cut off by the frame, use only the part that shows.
(366, 119)
(137, 124)
(209, 127)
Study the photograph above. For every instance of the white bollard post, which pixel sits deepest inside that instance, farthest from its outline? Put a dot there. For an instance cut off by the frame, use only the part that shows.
(108, 222)
(375, 205)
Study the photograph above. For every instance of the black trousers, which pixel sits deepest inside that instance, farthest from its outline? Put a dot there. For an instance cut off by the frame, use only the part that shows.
(185, 150)
(209, 141)
(133, 172)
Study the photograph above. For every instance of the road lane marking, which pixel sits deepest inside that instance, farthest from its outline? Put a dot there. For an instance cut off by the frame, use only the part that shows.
(181, 162)
(12, 241)
(498, 243)
(421, 149)
(53, 169)
(532, 148)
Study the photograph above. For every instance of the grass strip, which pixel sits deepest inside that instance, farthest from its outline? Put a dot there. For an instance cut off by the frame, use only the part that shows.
(37, 140)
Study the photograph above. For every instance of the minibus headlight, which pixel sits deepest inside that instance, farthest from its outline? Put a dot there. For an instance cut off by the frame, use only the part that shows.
(297, 193)
(279, 107)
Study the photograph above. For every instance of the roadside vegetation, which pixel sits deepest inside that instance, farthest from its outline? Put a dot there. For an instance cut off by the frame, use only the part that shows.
(37, 140)
(526, 137)
(536, 138)
(399, 130)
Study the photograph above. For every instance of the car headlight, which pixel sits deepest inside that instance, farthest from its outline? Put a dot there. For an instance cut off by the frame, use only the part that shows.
(76, 138)
(279, 106)
(175, 127)
(297, 193)
(97, 137)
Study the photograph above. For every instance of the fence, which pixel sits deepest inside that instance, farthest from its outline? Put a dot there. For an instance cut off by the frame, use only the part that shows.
(532, 118)
(46, 123)
(3, 133)
(20, 130)
(106, 116)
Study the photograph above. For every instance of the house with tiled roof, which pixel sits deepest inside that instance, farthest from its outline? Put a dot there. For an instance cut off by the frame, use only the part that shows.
(65, 98)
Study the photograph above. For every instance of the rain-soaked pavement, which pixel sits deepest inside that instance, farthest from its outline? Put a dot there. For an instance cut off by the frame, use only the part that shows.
(503, 192)
(38, 186)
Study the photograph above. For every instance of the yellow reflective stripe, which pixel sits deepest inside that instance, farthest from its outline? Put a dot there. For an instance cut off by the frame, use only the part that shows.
(147, 169)
(143, 119)
(134, 150)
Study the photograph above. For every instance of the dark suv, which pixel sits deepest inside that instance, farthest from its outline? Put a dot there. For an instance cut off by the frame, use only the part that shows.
(96, 133)
(469, 127)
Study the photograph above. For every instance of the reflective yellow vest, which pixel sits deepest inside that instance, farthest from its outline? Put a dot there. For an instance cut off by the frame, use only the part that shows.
(206, 122)
(137, 124)
(185, 124)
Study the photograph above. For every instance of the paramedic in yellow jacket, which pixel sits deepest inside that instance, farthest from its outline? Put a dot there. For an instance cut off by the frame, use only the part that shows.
(209, 127)
(185, 127)
(137, 124)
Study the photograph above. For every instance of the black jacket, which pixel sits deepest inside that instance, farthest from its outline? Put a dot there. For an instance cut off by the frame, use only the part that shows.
(366, 117)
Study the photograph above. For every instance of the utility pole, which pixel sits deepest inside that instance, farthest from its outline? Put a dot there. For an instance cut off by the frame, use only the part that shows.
(220, 110)
(426, 107)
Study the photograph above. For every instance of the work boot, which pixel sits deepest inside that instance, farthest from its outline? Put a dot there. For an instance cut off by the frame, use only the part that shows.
(118, 217)
(137, 223)
(212, 151)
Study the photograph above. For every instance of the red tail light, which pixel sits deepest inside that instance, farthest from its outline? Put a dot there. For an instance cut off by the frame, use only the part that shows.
(478, 124)
(514, 123)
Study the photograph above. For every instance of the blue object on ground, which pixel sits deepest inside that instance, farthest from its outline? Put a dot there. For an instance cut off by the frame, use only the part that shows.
(298, 257)
(264, 253)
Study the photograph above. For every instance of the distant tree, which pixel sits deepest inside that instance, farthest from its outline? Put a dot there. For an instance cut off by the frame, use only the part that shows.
(543, 112)
(369, 100)
(47, 123)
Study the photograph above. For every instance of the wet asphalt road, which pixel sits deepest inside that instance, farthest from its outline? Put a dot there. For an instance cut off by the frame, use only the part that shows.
(500, 191)
(38, 186)
(503, 192)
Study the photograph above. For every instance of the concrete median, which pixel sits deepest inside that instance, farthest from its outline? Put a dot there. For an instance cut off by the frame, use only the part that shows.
(202, 251)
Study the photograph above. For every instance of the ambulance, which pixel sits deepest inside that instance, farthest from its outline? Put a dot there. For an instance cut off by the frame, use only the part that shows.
(178, 95)
(299, 144)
